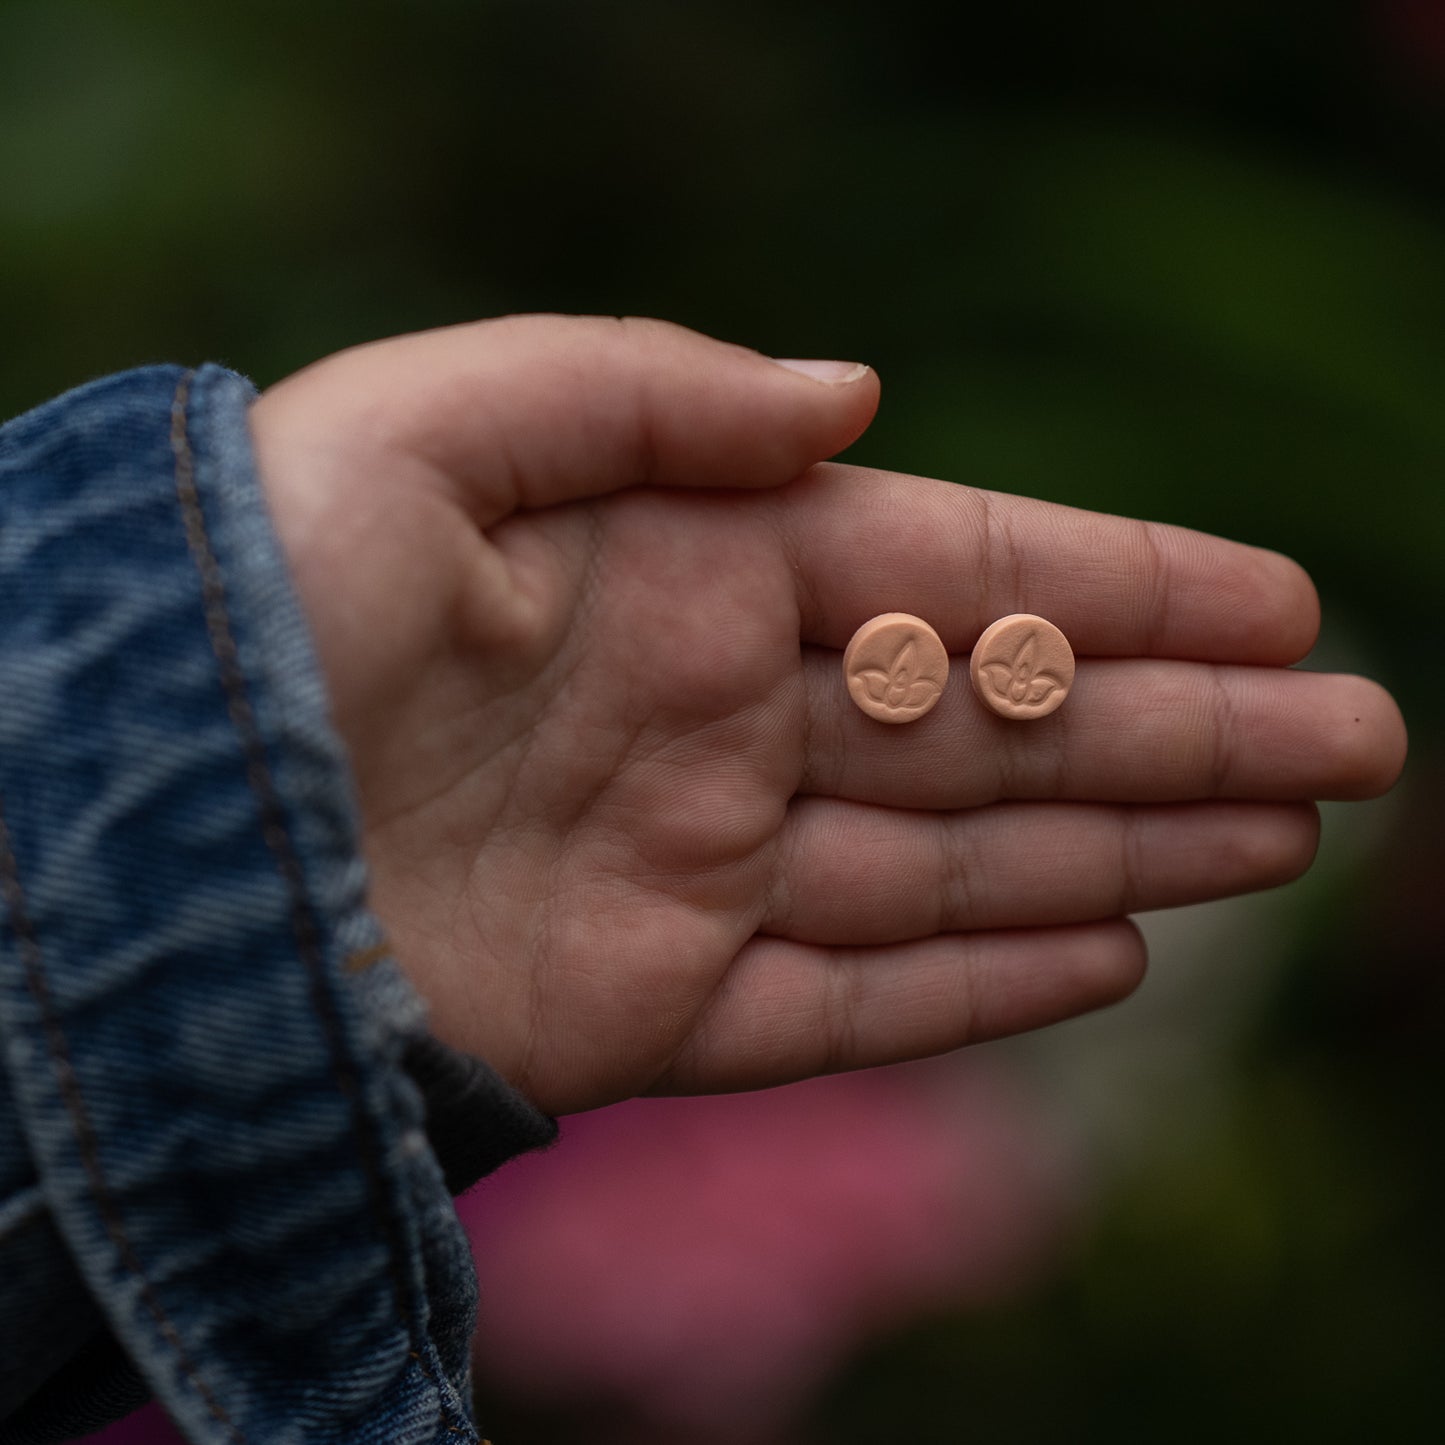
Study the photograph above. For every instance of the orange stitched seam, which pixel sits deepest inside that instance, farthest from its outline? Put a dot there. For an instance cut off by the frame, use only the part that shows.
(360, 959)
(74, 1101)
(428, 1377)
(305, 928)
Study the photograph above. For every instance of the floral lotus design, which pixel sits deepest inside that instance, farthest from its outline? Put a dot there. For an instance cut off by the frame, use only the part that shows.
(1019, 681)
(902, 687)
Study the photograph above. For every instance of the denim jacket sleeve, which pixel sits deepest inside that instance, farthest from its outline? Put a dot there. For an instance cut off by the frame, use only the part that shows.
(216, 1182)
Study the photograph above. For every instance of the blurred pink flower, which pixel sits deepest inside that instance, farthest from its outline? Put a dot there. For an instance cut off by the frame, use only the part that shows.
(148, 1426)
(705, 1263)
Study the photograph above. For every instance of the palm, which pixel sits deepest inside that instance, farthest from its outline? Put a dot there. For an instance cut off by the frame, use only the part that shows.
(626, 830)
(600, 848)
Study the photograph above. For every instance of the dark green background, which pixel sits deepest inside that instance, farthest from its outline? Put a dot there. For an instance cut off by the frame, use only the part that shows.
(1185, 261)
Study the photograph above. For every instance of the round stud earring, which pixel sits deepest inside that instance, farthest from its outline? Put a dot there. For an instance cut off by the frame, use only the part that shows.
(1022, 667)
(895, 666)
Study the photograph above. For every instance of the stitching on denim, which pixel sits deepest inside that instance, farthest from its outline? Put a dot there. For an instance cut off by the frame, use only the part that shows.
(305, 928)
(428, 1377)
(360, 959)
(70, 1093)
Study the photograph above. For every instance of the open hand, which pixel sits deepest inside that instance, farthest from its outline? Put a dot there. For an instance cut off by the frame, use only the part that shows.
(580, 592)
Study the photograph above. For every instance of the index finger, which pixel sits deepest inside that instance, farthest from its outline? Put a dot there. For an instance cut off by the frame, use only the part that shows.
(864, 542)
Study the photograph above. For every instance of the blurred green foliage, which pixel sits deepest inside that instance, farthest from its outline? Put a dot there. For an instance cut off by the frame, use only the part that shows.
(1184, 261)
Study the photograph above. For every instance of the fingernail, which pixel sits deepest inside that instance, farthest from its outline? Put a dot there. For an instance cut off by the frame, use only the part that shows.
(829, 371)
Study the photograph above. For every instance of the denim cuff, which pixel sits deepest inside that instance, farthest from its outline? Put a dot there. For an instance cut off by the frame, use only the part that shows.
(216, 1109)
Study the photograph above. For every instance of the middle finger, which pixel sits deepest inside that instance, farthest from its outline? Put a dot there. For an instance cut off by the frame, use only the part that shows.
(1132, 730)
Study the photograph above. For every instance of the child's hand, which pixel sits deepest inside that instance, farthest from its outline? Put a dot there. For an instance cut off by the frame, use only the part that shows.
(581, 599)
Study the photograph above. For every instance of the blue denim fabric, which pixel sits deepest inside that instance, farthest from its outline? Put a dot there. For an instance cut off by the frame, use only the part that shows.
(210, 1143)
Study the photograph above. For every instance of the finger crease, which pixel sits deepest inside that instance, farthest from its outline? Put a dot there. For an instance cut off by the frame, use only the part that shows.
(842, 994)
(956, 870)
(998, 547)
(1157, 624)
(778, 907)
(1225, 725)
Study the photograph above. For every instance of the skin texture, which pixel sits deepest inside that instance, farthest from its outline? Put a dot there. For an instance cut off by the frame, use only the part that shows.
(580, 589)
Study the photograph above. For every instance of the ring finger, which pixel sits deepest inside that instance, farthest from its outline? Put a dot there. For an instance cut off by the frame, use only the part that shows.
(857, 875)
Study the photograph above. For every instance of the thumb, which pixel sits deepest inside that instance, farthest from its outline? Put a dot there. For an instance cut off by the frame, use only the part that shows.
(529, 411)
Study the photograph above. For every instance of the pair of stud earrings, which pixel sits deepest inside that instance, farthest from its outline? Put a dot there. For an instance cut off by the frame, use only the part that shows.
(896, 665)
